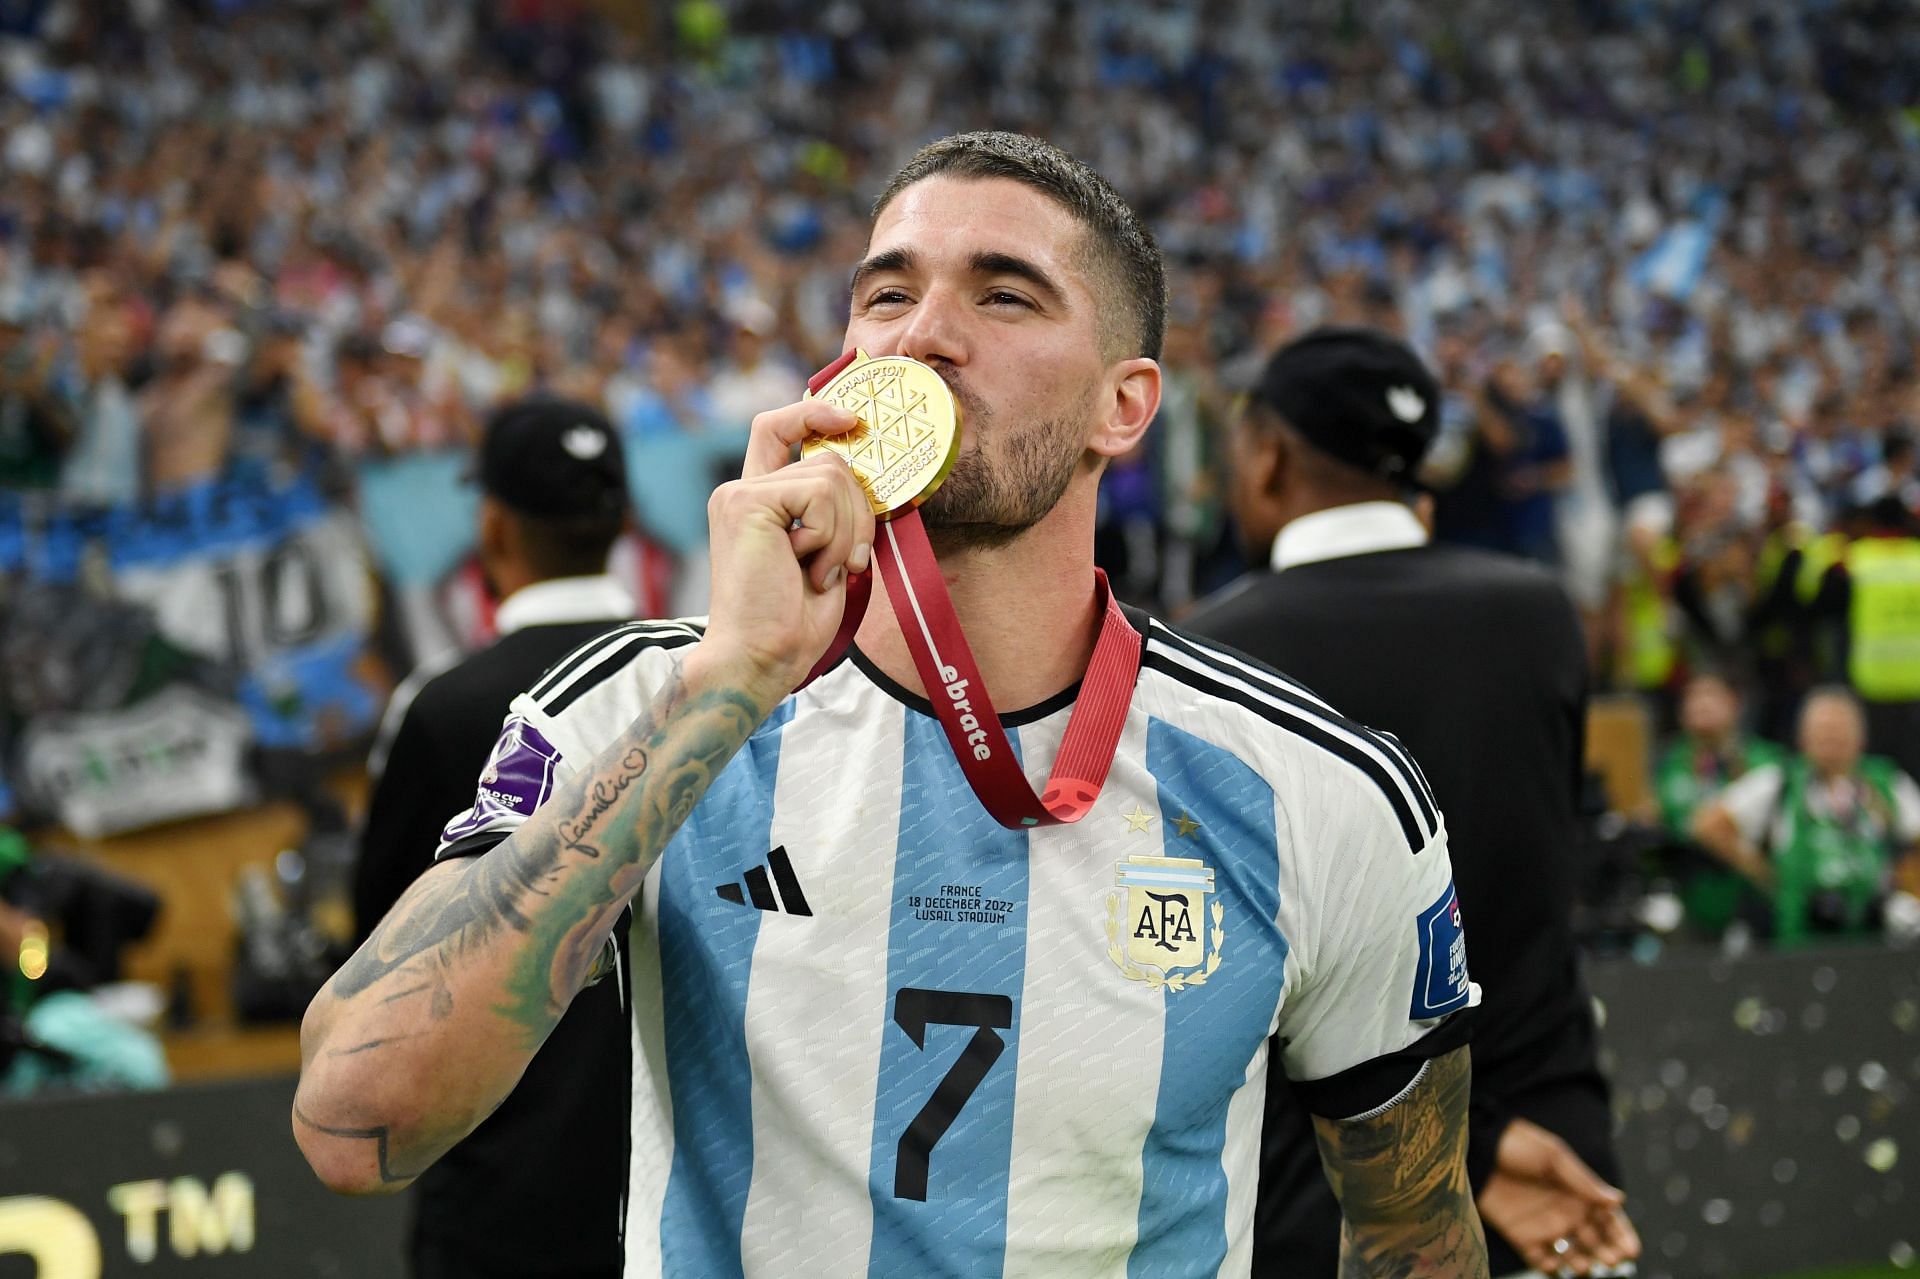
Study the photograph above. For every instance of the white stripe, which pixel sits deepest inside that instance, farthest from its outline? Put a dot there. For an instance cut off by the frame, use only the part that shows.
(1256, 675)
(808, 1208)
(1366, 743)
(621, 642)
(1242, 1154)
(1090, 1040)
(651, 1157)
(913, 598)
(1250, 671)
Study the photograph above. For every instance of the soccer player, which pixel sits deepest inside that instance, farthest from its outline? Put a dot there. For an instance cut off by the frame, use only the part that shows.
(879, 1033)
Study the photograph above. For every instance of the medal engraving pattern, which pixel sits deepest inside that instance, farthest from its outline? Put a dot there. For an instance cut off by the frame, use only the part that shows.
(908, 435)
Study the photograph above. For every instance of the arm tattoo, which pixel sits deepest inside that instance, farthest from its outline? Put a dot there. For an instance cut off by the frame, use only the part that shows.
(1401, 1178)
(562, 878)
(540, 904)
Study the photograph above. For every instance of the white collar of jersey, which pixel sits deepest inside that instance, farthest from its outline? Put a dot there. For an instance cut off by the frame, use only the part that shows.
(1337, 532)
(563, 599)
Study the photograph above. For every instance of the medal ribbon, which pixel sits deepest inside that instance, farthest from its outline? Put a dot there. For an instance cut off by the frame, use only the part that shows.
(966, 713)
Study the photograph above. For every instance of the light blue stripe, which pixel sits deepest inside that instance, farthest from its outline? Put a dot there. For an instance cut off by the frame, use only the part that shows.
(1212, 1031)
(947, 839)
(706, 955)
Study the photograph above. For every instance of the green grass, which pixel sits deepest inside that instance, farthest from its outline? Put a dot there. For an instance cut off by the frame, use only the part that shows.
(1870, 1272)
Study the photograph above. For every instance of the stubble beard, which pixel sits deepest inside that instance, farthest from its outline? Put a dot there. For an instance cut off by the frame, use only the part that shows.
(986, 503)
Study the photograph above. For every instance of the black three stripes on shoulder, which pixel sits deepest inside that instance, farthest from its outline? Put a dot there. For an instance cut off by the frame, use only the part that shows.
(598, 660)
(1278, 700)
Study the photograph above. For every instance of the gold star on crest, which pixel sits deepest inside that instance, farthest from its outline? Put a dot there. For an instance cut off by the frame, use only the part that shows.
(1138, 820)
(1185, 825)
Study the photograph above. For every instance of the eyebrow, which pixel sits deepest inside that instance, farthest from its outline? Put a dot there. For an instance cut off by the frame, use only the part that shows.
(986, 262)
(1020, 269)
(887, 260)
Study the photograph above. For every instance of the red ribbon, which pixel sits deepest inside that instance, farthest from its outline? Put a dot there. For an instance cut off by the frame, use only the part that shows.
(960, 701)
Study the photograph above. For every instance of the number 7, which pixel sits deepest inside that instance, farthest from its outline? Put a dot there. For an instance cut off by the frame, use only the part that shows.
(914, 1010)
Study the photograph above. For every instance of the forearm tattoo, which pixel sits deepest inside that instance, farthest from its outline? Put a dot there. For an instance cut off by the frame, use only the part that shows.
(548, 895)
(1401, 1179)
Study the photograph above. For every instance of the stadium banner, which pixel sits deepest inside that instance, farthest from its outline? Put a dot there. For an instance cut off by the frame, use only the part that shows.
(260, 577)
(179, 753)
(289, 603)
(193, 1183)
(1768, 1108)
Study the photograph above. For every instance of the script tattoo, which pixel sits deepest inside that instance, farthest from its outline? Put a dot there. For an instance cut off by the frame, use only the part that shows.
(1401, 1178)
(606, 793)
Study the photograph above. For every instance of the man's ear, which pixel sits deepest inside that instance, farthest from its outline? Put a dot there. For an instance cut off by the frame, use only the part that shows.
(496, 531)
(1133, 389)
(1272, 461)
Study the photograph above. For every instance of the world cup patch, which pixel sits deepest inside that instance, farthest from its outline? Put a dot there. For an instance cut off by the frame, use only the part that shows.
(517, 779)
(1440, 984)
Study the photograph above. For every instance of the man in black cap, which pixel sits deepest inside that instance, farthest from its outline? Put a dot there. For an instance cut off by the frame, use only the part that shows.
(1475, 661)
(553, 484)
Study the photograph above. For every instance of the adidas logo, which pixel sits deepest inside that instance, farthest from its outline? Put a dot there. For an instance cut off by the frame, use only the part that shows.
(760, 893)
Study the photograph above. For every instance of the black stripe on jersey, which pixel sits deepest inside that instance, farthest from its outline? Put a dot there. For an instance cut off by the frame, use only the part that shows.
(612, 664)
(1372, 1084)
(1310, 729)
(597, 645)
(1252, 670)
(475, 844)
(1278, 686)
(1413, 765)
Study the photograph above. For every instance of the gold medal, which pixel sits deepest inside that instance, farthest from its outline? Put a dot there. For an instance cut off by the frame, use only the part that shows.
(909, 432)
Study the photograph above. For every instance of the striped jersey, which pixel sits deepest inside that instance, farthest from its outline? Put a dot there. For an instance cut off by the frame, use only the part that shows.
(878, 1034)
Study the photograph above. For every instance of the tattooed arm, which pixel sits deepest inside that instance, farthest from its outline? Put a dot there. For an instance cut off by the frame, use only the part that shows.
(425, 1031)
(1401, 1178)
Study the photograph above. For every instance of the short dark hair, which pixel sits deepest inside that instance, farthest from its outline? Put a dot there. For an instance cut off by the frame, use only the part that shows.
(1117, 244)
(570, 545)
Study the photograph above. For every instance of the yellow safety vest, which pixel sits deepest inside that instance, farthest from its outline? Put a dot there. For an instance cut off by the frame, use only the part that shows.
(1884, 663)
(1650, 649)
(1819, 555)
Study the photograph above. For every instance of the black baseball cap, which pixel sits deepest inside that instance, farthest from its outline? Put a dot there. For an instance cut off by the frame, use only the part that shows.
(1356, 394)
(552, 458)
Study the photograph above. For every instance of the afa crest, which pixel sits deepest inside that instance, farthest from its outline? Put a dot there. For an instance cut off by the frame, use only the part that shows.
(1161, 929)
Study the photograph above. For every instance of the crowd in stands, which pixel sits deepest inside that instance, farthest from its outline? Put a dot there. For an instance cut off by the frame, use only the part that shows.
(1665, 255)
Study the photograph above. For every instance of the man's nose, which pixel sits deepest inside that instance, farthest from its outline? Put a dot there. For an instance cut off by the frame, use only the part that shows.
(934, 332)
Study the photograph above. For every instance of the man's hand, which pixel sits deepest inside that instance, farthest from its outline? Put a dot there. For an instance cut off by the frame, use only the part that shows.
(785, 538)
(1555, 1211)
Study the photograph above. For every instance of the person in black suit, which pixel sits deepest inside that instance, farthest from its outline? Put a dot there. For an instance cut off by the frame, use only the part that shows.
(1475, 662)
(553, 499)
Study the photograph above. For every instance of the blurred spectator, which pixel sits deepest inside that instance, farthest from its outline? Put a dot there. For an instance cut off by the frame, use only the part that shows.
(756, 375)
(187, 408)
(103, 467)
(1528, 444)
(1876, 588)
(36, 423)
(1709, 753)
(1822, 835)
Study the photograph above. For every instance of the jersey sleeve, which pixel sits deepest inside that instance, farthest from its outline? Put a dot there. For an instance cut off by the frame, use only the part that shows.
(1382, 965)
(574, 712)
(521, 773)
